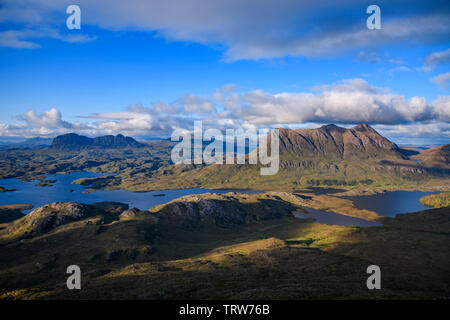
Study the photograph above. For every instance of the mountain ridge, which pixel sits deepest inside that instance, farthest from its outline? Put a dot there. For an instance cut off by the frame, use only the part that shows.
(332, 141)
(75, 141)
(440, 154)
(32, 143)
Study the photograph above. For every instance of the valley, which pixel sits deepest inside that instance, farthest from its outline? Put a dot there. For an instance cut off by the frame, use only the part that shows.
(357, 159)
(141, 227)
(230, 246)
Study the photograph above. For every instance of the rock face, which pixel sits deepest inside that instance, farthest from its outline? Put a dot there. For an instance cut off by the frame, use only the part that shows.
(110, 206)
(70, 140)
(331, 141)
(53, 215)
(194, 209)
(222, 210)
(75, 141)
(130, 213)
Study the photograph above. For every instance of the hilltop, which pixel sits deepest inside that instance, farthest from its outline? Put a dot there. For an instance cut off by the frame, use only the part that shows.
(74, 141)
(220, 247)
(438, 155)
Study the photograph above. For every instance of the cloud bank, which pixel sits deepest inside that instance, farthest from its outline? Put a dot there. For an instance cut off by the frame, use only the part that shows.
(351, 101)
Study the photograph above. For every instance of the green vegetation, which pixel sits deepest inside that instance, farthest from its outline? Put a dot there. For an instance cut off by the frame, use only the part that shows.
(436, 200)
(231, 246)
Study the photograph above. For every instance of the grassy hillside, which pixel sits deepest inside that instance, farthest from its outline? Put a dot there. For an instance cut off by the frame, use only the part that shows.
(436, 200)
(296, 173)
(438, 155)
(232, 246)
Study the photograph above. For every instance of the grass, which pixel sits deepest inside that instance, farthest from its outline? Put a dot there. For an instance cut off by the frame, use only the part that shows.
(436, 200)
(269, 256)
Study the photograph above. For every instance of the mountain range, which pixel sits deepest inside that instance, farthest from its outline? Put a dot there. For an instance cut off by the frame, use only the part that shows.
(327, 156)
(329, 141)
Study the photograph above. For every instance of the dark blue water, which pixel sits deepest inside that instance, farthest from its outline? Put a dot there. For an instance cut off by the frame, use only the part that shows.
(29, 193)
(333, 218)
(388, 204)
(385, 204)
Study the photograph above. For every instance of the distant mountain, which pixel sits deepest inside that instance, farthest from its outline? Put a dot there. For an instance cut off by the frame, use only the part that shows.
(335, 142)
(323, 157)
(75, 141)
(33, 143)
(439, 154)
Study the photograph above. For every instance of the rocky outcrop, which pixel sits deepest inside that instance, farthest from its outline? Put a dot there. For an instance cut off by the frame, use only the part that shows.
(222, 210)
(71, 140)
(130, 213)
(53, 215)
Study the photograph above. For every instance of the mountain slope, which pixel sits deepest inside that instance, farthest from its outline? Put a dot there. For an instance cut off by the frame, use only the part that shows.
(34, 143)
(335, 142)
(439, 154)
(234, 246)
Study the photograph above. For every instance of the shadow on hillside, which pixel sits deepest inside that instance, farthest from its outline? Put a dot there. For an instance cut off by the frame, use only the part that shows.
(414, 266)
(256, 259)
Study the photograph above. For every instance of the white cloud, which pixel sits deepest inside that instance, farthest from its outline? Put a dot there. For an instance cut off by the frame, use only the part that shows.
(436, 58)
(442, 80)
(14, 39)
(27, 37)
(417, 133)
(441, 108)
(350, 101)
(195, 104)
(49, 119)
(396, 69)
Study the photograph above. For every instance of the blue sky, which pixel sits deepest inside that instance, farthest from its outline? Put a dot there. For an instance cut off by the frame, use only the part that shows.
(145, 68)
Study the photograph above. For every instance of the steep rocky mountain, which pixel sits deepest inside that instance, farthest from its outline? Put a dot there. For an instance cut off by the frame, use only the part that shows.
(357, 157)
(439, 154)
(75, 141)
(335, 142)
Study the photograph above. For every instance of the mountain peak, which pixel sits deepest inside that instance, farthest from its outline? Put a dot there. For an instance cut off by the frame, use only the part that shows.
(364, 127)
(332, 127)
